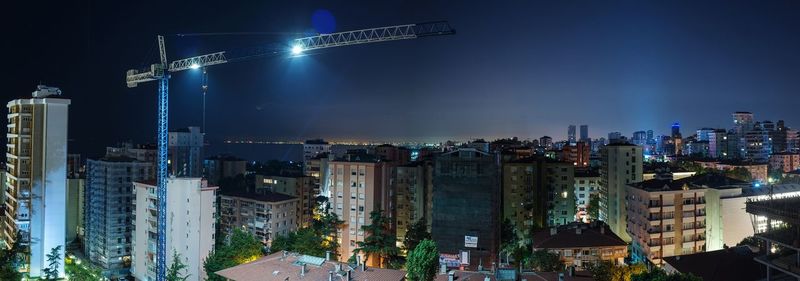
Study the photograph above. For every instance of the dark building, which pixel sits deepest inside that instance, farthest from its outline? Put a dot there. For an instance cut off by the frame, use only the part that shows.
(395, 154)
(730, 264)
(466, 195)
(220, 167)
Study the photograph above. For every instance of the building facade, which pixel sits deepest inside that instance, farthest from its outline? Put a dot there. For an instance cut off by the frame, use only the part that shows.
(264, 214)
(621, 165)
(358, 185)
(413, 183)
(785, 161)
(666, 218)
(191, 215)
(300, 187)
(587, 186)
(466, 188)
(36, 177)
(109, 211)
(582, 245)
(186, 152)
(538, 192)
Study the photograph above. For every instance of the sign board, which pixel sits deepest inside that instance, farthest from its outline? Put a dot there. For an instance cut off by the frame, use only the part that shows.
(471, 241)
(465, 257)
(450, 260)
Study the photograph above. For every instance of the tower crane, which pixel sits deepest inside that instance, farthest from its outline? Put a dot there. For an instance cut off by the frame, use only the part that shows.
(161, 71)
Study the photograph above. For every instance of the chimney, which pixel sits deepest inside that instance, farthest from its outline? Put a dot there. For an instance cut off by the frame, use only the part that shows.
(486, 278)
(302, 270)
(451, 276)
(338, 267)
(442, 268)
(578, 230)
(327, 255)
(330, 276)
(363, 266)
(358, 260)
(603, 229)
(285, 254)
(553, 231)
(348, 275)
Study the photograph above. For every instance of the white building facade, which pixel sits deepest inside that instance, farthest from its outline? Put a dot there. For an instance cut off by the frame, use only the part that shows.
(191, 209)
(36, 184)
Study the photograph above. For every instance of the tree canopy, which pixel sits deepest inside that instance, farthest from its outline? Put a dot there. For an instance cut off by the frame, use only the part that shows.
(240, 247)
(423, 261)
(379, 241)
(416, 233)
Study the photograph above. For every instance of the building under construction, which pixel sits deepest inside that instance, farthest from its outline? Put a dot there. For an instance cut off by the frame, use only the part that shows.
(781, 238)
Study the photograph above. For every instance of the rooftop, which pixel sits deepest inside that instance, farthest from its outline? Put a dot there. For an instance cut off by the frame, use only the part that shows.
(783, 209)
(567, 236)
(276, 267)
(707, 180)
(264, 197)
(731, 264)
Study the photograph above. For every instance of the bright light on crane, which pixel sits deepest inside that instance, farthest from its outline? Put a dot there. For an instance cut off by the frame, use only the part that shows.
(297, 49)
(194, 66)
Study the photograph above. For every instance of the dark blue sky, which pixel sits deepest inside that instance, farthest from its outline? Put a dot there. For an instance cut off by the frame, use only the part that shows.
(515, 68)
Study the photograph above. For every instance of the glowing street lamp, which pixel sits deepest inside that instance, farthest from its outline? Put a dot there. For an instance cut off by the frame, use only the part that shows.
(194, 66)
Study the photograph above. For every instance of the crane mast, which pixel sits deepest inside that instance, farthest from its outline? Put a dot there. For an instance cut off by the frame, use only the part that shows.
(161, 72)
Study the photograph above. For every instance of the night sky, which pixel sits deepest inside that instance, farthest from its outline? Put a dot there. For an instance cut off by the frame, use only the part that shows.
(520, 68)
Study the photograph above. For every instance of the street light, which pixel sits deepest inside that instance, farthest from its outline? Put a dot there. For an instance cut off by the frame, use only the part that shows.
(194, 66)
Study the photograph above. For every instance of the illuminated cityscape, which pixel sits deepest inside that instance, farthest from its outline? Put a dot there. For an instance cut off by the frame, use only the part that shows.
(401, 141)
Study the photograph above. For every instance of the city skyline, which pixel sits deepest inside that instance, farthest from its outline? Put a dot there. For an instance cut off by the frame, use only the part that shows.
(636, 65)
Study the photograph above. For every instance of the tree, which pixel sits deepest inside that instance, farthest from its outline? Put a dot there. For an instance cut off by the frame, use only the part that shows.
(752, 241)
(423, 261)
(176, 269)
(739, 173)
(53, 260)
(545, 261)
(378, 241)
(9, 260)
(607, 271)
(593, 208)
(417, 232)
(78, 271)
(240, 247)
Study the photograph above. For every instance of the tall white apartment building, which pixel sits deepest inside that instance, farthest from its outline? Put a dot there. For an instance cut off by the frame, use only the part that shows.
(36, 185)
(587, 184)
(191, 208)
(621, 165)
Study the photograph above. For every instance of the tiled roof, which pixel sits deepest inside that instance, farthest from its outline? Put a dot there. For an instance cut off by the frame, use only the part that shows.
(567, 236)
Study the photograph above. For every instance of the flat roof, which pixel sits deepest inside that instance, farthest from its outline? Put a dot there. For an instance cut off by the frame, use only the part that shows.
(731, 264)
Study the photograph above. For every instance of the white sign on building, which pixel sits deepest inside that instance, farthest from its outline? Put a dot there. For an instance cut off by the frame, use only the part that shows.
(471, 241)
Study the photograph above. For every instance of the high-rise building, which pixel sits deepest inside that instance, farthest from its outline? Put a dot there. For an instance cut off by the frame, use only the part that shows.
(191, 214)
(758, 144)
(36, 172)
(639, 138)
(718, 144)
(704, 134)
(546, 142)
(742, 122)
(186, 152)
(358, 185)
(571, 134)
(585, 134)
(785, 161)
(264, 214)
(413, 183)
(621, 165)
(677, 139)
(577, 154)
(108, 199)
(616, 137)
(538, 192)
(666, 217)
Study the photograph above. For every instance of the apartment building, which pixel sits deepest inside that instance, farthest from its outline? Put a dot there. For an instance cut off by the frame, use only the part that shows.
(265, 214)
(666, 217)
(621, 164)
(587, 186)
(538, 192)
(300, 187)
(191, 215)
